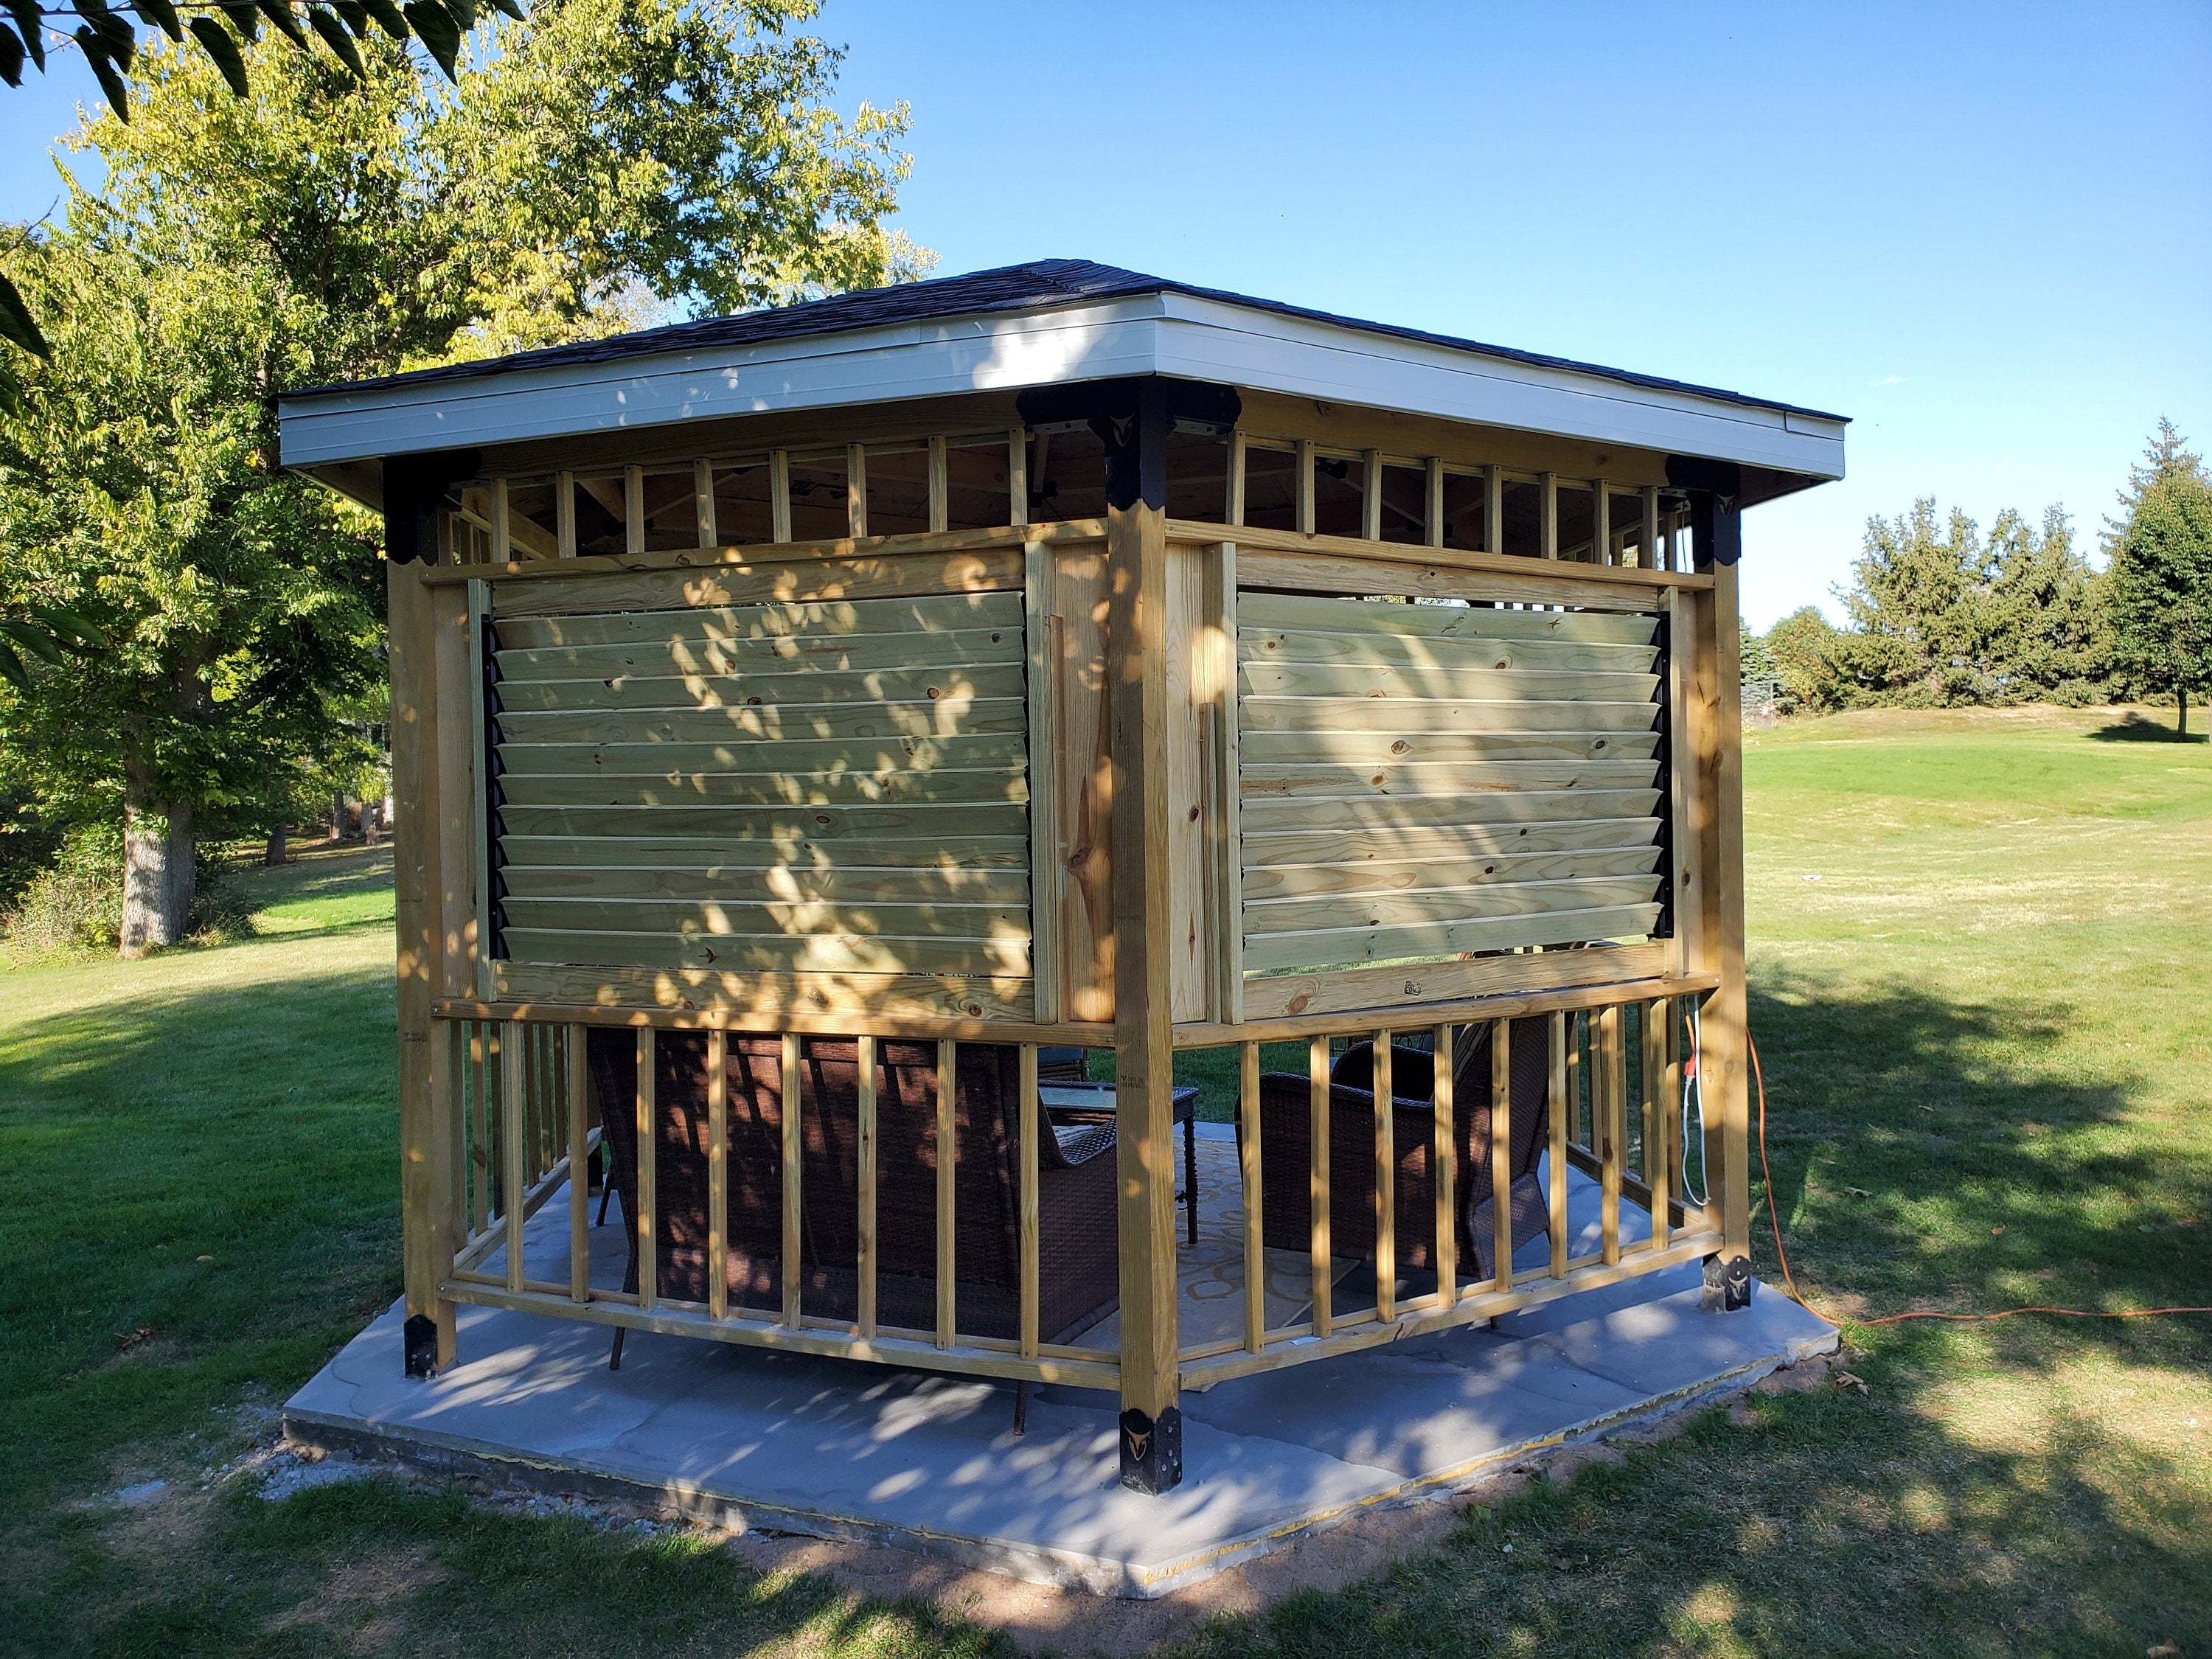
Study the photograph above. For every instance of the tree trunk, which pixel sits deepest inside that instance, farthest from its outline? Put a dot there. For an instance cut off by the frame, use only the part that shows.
(2181, 695)
(368, 824)
(157, 875)
(275, 854)
(338, 819)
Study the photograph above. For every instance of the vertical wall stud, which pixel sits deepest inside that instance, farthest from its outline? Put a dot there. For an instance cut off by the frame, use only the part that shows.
(864, 1056)
(1432, 512)
(702, 495)
(1501, 1150)
(1386, 1181)
(1048, 875)
(514, 1146)
(1370, 496)
(1232, 511)
(779, 494)
(1029, 1126)
(1547, 515)
(633, 509)
(1561, 1104)
(856, 491)
(578, 1073)
(947, 1152)
(1444, 1165)
(564, 513)
(1318, 1091)
(1493, 510)
(1018, 477)
(1305, 487)
(1650, 556)
(941, 485)
(502, 522)
(1601, 523)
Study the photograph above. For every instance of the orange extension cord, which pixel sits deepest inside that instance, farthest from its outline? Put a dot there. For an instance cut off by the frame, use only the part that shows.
(1774, 1220)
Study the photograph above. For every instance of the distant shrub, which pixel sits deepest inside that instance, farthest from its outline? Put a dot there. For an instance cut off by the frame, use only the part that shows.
(74, 903)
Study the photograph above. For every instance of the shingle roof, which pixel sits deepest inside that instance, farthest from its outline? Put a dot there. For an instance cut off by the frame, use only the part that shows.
(1028, 287)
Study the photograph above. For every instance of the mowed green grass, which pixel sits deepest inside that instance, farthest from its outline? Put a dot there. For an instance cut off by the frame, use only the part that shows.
(1985, 1042)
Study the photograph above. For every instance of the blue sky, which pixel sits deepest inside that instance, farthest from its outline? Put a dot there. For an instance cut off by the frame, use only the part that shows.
(1982, 231)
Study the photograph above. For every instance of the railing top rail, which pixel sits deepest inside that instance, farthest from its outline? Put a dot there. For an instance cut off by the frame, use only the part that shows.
(1627, 578)
(1192, 1035)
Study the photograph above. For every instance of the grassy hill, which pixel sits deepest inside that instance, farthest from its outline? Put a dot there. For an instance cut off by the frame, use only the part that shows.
(1979, 972)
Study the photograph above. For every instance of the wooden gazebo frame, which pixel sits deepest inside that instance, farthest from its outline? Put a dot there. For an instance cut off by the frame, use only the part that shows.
(1013, 659)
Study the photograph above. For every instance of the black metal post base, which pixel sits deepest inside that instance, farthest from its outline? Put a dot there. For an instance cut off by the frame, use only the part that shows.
(421, 1339)
(1151, 1451)
(1728, 1283)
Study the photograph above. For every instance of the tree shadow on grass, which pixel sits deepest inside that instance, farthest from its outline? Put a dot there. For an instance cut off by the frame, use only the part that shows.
(213, 1167)
(1935, 1153)
(2132, 728)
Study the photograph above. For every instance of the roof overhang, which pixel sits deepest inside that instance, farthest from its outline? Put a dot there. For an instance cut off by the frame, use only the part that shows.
(1183, 335)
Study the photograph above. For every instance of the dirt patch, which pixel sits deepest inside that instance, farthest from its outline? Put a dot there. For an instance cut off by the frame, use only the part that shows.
(363, 1602)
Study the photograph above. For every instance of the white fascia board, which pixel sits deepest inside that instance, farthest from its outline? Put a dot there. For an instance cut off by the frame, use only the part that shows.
(822, 371)
(1173, 334)
(1210, 340)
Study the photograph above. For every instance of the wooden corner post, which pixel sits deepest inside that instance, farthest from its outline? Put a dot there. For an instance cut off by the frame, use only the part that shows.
(1137, 576)
(1723, 1069)
(428, 1090)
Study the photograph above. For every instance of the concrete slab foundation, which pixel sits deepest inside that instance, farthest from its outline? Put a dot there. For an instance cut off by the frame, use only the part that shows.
(839, 1449)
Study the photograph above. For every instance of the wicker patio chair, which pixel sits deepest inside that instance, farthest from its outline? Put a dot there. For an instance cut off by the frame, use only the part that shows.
(1078, 1281)
(1286, 1140)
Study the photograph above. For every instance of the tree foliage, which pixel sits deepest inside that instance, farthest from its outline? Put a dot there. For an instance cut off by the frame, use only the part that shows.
(2159, 581)
(612, 160)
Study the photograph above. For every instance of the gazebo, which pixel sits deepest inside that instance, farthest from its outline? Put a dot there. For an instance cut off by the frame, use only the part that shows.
(814, 731)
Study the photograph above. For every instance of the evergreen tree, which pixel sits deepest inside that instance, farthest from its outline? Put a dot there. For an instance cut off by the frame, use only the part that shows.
(2159, 585)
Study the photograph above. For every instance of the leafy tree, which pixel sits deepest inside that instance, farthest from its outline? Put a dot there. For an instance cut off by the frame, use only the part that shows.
(1802, 648)
(2159, 585)
(615, 157)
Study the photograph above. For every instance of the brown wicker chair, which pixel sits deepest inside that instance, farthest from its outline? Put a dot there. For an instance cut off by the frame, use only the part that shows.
(1286, 1140)
(1078, 1254)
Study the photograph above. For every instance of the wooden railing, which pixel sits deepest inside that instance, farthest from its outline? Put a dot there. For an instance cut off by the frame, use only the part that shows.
(522, 1102)
(1594, 1074)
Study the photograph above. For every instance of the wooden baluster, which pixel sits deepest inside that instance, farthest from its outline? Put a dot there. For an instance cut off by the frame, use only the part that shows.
(1556, 1202)
(1248, 1157)
(946, 1154)
(1575, 1116)
(1609, 1101)
(515, 1149)
(718, 1173)
(1317, 1102)
(578, 1077)
(1386, 1173)
(794, 1164)
(1501, 1150)
(1025, 1232)
(480, 1128)
(455, 1086)
(648, 1197)
(1445, 1154)
(865, 1056)
(1656, 1032)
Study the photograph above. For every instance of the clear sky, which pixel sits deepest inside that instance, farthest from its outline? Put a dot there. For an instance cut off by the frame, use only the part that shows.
(1984, 232)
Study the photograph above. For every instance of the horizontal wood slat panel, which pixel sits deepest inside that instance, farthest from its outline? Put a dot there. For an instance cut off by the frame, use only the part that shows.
(945, 851)
(1317, 913)
(793, 919)
(944, 611)
(721, 690)
(912, 996)
(1545, 586)
(825, 652)
(1264, 813)
(1366, 714)
(728, 828)
(1281, 610)
(1372, 749)
(751, 845)
(1369, 680)
(1318, 780)
(1428, 779)
(1344, 946)
(817, 582)
(783, 883)
(1286, 995)
(765, 789)
(821, 953)
(1468, 651)
(1388, 845)
(1397, 876)
(867, 757)
(938, 718)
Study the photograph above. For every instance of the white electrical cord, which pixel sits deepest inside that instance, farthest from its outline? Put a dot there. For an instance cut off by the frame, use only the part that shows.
(1693, 1096)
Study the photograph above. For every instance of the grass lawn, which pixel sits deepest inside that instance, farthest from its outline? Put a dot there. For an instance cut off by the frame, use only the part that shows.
(1979, 975)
